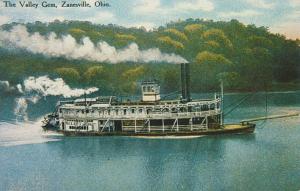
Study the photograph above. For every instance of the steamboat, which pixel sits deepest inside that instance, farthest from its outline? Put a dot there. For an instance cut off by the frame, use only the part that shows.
(151, 116)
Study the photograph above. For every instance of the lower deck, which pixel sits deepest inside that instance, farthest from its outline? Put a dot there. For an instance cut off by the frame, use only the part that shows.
(226, 129)
(140, 125)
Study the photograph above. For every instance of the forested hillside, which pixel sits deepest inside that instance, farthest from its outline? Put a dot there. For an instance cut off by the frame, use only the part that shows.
(246, 57)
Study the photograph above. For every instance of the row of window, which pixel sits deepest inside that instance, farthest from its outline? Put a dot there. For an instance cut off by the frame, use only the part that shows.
(141, 110)
(149, 89)
(78, 127)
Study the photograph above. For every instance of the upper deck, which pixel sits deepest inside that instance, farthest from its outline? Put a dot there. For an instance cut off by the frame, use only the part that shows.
(133, 110)
(150, 106)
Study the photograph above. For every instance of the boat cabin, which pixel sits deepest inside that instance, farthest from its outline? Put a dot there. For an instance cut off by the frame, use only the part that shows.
(150, 91)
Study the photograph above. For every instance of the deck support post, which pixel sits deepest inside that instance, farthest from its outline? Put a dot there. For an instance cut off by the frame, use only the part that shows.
(121, 125)
(135, 125)
(222, 103)
(105, 125)
(191, 124)
(177, 127)
(206, 122)
(149, 126)
(163, 125)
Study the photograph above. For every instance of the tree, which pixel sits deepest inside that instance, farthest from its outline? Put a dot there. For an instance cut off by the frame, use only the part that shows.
(70, 75)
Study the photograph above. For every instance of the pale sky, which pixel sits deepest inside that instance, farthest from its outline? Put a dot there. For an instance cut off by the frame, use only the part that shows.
(280, 16)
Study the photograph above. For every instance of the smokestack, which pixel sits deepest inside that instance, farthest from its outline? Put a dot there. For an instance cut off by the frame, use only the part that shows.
(185, 82)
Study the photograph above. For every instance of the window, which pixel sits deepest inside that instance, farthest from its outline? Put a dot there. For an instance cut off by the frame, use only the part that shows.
(140, 110)
(132, 110)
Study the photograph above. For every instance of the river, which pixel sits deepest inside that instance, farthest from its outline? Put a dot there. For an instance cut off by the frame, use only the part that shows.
(269, 159)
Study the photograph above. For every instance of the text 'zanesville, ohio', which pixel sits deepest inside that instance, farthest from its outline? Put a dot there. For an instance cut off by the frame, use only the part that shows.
(47, 4)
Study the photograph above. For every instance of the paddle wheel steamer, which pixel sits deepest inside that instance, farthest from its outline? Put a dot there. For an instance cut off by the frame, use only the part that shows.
(151, 116)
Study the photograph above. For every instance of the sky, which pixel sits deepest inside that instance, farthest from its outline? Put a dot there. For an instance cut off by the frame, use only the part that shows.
(280, 16)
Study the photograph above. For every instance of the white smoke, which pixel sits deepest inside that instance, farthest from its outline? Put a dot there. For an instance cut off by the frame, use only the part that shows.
(21, 109)
(45, 86)
(66, 46)
(33, 88)
(7, 88)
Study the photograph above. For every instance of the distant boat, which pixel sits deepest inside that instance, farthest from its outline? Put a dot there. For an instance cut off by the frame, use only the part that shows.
(151, 116)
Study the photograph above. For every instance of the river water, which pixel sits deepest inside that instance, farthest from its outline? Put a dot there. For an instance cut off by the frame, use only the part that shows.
(269, 159)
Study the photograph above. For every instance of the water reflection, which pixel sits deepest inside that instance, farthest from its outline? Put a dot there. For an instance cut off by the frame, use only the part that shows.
(146, 161)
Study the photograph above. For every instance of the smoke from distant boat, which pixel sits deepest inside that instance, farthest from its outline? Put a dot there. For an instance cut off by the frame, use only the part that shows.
(66, 46)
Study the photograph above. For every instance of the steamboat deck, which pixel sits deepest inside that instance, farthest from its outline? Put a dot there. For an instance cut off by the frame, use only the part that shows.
(226, 129)
(151, 116)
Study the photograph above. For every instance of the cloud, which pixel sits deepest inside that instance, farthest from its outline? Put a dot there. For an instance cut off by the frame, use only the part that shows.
(147, 25)
(146, 7)
(295, 15)
(261, 4)
(294, 3)
(289, 29)
(289, 26)
(239, 14)
(204, 5)
(150, 7)
(4, 19)
(102, 17)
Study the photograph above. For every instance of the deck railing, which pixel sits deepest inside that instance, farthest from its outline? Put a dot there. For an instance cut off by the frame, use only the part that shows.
(156, 115)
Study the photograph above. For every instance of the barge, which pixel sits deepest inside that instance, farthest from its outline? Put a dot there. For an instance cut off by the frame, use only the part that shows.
(151, 116)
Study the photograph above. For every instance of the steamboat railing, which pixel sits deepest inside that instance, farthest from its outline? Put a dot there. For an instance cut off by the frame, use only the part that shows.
(157, 115)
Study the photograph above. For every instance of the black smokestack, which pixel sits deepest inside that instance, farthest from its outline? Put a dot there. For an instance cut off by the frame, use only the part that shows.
(185, 82)
(183, 88)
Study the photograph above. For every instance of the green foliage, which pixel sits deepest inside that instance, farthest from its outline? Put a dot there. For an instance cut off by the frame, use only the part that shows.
(244, 56)
(70, 75)
(211, 45)
(206, 57)
(93, 73)
(168, 41)
(217, 35)
(77, 33)
(134, 73)
(130, 78)
(126, 37)
(193, 28)
(177, 34)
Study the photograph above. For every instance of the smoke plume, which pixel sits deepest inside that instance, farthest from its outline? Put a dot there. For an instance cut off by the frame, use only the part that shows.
(33, 88)
(66, 46)
(45, 86)
(5, 87)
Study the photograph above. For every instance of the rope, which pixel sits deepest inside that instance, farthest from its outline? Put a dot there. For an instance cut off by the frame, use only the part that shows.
(239, 103)
(172, 93)
(263, 124)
